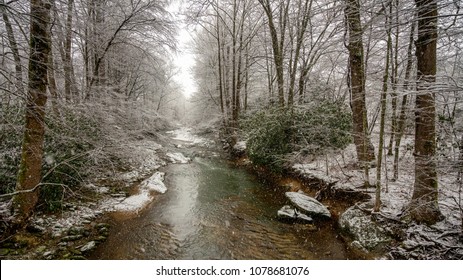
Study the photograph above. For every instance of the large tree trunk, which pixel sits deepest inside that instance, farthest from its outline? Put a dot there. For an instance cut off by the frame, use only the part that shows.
(424, 205)
(32, 149)
(364, 148)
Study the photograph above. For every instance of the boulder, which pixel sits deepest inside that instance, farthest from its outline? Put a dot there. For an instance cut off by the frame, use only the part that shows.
(367, 235)
(308, 205)
(288, 213)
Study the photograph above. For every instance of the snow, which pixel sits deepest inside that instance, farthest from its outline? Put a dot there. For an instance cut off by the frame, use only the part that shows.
(185, 134)
(134, 202)
(344, 174)
(154, 183)
(307, 204)
(144, 197)
(177, 158)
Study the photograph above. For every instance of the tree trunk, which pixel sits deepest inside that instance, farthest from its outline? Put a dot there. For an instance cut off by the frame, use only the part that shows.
(52, 88)
(277, 45)
(364, 148)
(14, 49)
(424, 204)
(30, 168)
(383, 116)
(67, 52)
(394, 76)
(403, 109)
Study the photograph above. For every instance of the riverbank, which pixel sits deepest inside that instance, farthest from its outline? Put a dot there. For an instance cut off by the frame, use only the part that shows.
(82, 223)
(336, 180)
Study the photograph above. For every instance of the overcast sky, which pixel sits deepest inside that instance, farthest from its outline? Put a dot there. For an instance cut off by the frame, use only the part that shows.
(184, 60)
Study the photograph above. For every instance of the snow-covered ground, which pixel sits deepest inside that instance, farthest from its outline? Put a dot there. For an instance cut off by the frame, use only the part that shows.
(143, 158)
(338, 170)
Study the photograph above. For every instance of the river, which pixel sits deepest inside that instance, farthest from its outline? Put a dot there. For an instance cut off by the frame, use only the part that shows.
(214, 210)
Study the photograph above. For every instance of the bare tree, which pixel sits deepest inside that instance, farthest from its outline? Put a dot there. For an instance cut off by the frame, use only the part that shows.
(30, 169)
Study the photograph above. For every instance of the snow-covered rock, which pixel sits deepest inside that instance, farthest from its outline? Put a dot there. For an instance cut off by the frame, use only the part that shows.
(154, 183)
(134, 202)
(140, 200)
(365, 232)
(239, 148)
(308, 205)
(88, 247)
(177, 158)
(291, 214)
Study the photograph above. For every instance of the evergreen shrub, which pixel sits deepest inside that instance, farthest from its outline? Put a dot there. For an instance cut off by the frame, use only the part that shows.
(276, 133)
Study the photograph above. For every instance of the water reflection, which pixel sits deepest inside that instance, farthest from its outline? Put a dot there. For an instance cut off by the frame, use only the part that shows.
(214, 211)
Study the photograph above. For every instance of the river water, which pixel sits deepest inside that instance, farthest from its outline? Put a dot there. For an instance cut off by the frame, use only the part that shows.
(213, 210)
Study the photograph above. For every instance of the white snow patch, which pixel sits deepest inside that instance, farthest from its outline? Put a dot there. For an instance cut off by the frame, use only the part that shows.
(310, 171)
(185, 134)
(134, 202)
(178, 158)
(138, 201)
(154, 183)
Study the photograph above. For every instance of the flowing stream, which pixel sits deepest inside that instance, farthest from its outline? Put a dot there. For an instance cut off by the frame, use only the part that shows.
(213, 210)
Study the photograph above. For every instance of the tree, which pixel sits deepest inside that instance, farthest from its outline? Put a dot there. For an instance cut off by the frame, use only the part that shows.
(364, 148)
(30, 169)
(424, 205)
(278, 41)
(383, 113)
(14, 49)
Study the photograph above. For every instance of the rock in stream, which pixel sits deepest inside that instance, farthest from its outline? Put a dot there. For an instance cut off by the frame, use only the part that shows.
(308, 205)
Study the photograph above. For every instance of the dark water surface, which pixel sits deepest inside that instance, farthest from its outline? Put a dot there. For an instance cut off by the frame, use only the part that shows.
(213, 210)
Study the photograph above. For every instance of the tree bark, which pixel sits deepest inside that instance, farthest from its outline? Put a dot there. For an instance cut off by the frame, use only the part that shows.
(424, 204)
(364, 148)
(30, 168)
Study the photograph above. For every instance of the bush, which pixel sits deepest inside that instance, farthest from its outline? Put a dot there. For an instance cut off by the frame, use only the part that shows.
(273, 134)
(69, 140)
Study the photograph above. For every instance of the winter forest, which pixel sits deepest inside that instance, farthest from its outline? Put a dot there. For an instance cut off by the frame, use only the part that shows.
(314, 129)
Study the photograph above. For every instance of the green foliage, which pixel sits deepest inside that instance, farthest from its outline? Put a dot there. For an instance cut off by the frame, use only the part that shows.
(274, 134)
(11, 132)
(69, 141)
(268, 132)
(323, 127)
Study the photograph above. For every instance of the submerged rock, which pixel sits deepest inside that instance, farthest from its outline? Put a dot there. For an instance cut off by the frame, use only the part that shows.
(308, 205)
(289, 213)
(366, 233)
